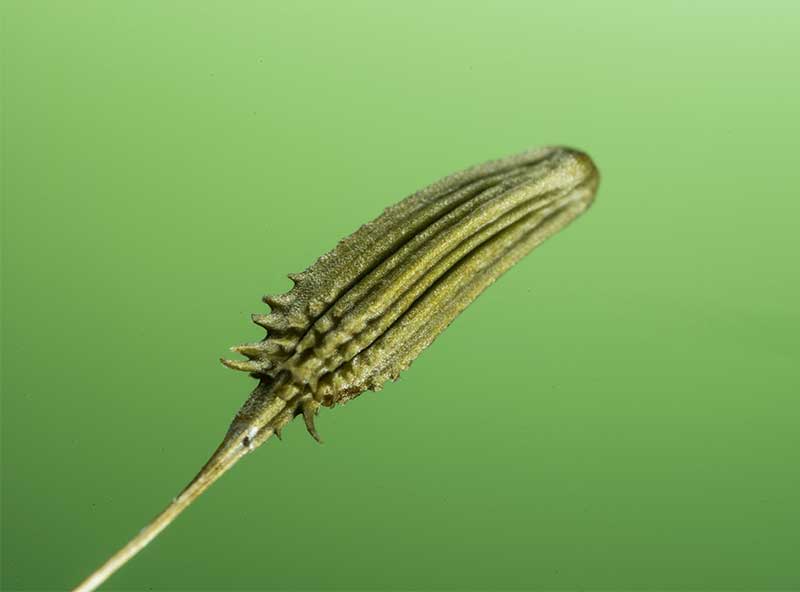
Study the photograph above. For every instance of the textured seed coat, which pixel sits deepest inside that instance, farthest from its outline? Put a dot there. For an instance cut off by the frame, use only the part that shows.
(362, 312)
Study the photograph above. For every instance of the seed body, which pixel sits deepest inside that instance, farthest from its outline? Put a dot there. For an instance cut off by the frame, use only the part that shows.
(362, 312)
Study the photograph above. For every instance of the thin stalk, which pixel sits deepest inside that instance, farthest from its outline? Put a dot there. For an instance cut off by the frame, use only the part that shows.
(228, 453)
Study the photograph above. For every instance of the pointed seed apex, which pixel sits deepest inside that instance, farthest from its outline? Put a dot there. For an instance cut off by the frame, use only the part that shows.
(251, 350)
(310, 409)
(277, 301)
(242, 365)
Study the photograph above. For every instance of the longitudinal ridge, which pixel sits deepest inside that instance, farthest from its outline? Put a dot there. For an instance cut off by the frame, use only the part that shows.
(326, 290)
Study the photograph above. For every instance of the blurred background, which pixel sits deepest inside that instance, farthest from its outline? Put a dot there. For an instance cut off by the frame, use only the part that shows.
(164, 164)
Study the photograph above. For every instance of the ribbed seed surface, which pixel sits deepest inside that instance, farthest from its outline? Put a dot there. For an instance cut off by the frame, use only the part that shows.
(364, 311)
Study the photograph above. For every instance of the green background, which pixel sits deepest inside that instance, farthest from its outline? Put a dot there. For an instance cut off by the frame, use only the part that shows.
(165, 164)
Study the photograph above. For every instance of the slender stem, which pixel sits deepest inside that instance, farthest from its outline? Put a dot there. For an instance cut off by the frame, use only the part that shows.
(228, 453)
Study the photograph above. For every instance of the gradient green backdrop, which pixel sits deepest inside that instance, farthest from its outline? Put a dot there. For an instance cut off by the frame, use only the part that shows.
(167, 163)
